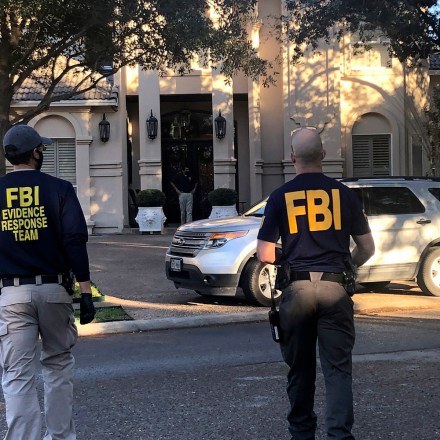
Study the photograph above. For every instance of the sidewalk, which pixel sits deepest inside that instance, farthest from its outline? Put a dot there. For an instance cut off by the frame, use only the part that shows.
(129, 270)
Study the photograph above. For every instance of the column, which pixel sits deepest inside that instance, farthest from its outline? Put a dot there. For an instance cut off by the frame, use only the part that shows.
(83, 178)
(224, 160)
(150, 166)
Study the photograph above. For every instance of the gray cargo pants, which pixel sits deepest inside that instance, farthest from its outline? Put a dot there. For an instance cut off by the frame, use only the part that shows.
(25, 313)
(310, 312)
(186, 207)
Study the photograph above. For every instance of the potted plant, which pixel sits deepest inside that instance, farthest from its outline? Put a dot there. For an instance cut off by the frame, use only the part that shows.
(223, 202)
(150, 216)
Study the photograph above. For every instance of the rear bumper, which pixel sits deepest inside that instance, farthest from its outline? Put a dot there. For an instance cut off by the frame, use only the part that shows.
(190, 277)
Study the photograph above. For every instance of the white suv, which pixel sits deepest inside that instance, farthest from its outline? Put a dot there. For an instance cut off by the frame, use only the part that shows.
(214, 257)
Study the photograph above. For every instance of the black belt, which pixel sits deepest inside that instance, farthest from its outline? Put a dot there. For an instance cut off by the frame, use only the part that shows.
(19, 281)
(336, 277)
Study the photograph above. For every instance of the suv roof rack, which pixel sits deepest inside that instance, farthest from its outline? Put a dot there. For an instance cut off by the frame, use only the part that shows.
(355, 179)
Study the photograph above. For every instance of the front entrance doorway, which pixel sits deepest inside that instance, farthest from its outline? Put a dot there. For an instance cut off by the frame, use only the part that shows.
(197, 156)
(187, 141)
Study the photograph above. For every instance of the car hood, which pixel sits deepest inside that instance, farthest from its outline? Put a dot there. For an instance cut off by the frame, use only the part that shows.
(222, 224)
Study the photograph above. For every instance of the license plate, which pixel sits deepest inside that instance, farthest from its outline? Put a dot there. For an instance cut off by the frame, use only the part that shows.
(176, 264)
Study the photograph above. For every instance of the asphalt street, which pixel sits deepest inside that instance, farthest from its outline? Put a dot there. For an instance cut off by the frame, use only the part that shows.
(228, 383)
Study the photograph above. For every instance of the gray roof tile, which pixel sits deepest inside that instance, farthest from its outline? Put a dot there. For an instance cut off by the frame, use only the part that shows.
(33, 90)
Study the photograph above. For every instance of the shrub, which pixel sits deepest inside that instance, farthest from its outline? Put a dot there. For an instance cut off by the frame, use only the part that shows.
(150, 197)
(223, 197)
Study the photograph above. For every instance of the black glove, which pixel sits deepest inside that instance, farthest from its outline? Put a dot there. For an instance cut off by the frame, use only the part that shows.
(86, 308)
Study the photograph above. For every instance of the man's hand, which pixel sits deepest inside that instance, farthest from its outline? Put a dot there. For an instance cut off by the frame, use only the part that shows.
(86, 308)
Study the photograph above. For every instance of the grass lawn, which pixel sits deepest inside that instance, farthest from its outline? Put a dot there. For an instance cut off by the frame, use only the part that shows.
(96, 293)
(103, 314)
(107, 314)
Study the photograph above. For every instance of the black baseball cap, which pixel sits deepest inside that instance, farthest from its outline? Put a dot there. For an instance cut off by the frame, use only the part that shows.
(21, 138)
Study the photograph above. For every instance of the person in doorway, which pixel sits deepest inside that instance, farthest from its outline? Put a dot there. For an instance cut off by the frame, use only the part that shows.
(315, 216)
(42, 241)
(185, 186)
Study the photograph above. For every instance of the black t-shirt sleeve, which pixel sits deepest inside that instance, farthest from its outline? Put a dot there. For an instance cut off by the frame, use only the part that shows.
(270, 227)
(360, 224)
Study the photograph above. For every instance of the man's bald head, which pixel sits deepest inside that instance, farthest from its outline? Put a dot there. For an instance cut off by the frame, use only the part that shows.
(307, 146)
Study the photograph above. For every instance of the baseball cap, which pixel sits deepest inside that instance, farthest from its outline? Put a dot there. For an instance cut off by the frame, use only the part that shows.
(21, 138)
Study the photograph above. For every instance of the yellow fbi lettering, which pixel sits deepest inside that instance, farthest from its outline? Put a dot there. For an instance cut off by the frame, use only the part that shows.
(25, 195)
(23, 215)
(317, 209)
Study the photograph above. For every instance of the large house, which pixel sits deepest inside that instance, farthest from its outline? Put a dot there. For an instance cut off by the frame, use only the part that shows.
(368, 107)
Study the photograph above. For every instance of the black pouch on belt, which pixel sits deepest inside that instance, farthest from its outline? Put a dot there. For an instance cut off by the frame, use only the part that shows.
(69, 282)
(349, 277)
(282, 279)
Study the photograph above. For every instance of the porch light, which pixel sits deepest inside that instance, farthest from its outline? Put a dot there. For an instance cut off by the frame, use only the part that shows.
(152, 124)
(220, 126)
(104, 129)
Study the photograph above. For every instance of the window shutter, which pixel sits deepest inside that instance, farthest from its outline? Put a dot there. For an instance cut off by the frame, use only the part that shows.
(49, 160)
(67, 161)
(60, 160)
(381, 155)
(371, 155)
(361, 156)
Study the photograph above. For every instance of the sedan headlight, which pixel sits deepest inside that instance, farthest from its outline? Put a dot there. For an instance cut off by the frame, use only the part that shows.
(221, 238)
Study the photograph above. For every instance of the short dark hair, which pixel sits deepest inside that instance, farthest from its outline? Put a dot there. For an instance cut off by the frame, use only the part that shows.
(17, 159)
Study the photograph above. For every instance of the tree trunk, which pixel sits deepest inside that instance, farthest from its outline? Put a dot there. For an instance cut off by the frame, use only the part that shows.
(5, 108)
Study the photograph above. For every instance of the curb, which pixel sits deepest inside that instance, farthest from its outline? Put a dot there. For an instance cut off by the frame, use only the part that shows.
(144, 325)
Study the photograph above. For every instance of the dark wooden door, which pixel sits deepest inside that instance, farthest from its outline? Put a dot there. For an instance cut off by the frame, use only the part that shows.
(198, 157)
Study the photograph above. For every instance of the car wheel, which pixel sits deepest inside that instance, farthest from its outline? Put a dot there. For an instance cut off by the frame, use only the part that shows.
(255, 282)
(375, 284)
(428, 277)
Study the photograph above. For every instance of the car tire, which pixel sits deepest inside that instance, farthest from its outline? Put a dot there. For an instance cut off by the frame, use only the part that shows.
(428, 277)
(255, 282)
(375, 284)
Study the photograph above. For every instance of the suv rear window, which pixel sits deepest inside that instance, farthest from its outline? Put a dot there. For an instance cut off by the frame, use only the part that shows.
(435, 192)
(389, 200)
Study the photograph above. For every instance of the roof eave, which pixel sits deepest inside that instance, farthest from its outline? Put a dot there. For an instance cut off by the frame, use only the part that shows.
(70, 103)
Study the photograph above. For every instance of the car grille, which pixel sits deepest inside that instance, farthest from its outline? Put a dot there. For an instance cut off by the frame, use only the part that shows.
(188, 244)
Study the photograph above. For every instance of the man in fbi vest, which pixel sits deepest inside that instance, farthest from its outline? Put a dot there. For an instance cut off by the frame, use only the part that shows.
(43, 236)
(315, 216)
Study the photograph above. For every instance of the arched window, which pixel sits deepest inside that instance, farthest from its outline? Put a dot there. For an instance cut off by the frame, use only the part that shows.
(371, 146)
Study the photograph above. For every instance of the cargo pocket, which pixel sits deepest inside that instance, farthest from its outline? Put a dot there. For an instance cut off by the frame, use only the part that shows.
(72, 331)
(58, 298)
(3, 344)
(13, 295)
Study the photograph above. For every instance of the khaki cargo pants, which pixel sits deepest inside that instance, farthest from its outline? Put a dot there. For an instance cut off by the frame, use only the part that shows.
(27, 312)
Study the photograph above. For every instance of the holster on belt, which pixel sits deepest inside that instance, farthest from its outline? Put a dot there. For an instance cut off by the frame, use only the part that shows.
(69, 282)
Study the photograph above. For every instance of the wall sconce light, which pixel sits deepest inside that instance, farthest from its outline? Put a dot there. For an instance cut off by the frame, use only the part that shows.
(104, 129)
(220, 126)
(152, 124)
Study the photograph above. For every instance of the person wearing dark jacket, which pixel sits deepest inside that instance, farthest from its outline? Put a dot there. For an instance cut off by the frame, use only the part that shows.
(315, 216)
(43, 239)
(185, 186)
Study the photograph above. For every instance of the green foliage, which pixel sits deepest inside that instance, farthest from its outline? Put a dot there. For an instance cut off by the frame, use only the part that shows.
(412, 26)
(150, 198)
(52, 41)
(96, 293)
(432, 126)
(223, 197)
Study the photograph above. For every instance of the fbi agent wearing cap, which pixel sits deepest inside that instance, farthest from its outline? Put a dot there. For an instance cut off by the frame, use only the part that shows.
(315, 216)
(43, 236)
